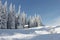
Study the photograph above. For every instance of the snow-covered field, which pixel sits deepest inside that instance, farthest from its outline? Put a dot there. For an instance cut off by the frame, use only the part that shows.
(37, 33)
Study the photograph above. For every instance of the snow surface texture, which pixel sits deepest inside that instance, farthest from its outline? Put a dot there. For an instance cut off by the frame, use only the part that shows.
(37, 33)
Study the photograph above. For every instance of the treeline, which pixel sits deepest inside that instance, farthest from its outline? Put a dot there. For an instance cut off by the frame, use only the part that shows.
(10, 19)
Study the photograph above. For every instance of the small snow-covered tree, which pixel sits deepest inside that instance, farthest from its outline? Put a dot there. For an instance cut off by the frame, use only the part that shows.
(23, 18)
(37, 21)
(29, 22)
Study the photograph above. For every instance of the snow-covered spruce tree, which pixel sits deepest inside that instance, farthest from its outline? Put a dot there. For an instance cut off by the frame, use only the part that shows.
(18, 19)
(14, 12)
(11, 17)
(3, 15)
(31, 22)
(37, 20)
(0, 14)
(23, 19)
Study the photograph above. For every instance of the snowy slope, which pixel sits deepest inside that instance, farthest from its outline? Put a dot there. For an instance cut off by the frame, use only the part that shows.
(37, 33)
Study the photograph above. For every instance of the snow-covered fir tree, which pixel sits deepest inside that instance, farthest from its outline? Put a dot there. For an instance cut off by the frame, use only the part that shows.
(23, 19)
(3, 15)
(18, 19)
(11, 17)
(37, 20)
(30, 22)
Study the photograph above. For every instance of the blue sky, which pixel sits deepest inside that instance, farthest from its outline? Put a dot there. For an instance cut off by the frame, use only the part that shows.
(49, 10)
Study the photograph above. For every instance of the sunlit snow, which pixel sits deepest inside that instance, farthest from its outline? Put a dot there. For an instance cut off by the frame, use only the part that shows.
(37, 33)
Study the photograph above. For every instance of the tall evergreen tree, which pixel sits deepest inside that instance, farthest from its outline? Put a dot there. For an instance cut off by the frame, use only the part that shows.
(23, 18)
(0, 13)
(5, 16)
(11, 18)
(19, 26)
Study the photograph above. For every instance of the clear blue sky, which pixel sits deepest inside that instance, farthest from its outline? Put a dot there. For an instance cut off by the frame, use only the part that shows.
(49, 10)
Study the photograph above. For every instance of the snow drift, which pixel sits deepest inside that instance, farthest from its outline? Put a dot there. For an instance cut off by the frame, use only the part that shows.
(37, 33)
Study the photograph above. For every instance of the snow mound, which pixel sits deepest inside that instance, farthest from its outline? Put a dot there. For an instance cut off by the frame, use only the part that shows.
(36, 33)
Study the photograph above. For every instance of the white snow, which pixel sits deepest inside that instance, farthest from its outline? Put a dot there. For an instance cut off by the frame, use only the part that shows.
(42, 32)
(57, 30)
(37, 33)
(25, 26)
